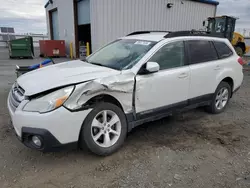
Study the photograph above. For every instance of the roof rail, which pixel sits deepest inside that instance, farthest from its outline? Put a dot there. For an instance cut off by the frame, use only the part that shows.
(193, 33)
(146, 32)
(171, 34)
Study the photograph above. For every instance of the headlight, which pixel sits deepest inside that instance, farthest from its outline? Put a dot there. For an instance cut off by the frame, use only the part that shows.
(50, 101)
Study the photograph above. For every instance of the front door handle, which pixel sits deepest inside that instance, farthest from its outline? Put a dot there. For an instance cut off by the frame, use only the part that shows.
(217, 67)
(183, 75)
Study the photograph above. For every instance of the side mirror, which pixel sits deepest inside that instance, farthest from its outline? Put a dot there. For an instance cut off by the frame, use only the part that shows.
(204, 23)
(152, 67)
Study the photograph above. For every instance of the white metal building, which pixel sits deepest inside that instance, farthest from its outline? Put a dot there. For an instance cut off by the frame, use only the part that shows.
(101, 21)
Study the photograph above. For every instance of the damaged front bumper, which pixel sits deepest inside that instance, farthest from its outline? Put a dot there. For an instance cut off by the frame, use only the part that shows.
(56, 128)
(47, 141)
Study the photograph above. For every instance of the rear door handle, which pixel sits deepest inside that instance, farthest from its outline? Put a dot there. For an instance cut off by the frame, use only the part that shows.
(183, 75)
(217, 67)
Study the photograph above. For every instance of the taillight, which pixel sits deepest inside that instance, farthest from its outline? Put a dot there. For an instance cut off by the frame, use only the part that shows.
(241, 61)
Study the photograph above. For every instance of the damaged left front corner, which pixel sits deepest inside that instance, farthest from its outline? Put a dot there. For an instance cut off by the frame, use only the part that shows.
(120, 87)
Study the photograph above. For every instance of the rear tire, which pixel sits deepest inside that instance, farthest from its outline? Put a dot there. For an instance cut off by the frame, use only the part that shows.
(220, 99)
(104, 129)
(239, 51)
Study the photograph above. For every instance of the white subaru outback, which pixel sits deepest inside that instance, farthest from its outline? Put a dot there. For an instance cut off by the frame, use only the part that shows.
(142, 77)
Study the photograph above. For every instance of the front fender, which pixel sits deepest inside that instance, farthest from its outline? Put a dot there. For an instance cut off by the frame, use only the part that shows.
(121, 87)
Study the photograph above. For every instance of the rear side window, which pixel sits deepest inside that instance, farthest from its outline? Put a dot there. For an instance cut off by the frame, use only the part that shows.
(223, 50)
(201, 51)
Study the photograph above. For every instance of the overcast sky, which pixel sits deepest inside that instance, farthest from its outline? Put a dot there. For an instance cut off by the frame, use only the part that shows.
(237, 8)
(24, 15)
(29, 15)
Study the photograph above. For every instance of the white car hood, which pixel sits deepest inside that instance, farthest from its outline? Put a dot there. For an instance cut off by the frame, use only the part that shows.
(62, 74)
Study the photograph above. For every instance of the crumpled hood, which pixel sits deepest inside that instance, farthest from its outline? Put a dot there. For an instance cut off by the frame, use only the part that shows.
(61, 74)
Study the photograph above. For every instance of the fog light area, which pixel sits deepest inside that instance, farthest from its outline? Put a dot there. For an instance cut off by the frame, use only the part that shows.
(37, 141)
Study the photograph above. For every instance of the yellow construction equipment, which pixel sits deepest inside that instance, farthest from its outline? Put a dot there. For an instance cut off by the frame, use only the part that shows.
(71, 55)
(225, 26)
(87, 49)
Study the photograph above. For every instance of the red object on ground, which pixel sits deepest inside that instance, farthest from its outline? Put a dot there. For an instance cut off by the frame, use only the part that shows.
(52, 48)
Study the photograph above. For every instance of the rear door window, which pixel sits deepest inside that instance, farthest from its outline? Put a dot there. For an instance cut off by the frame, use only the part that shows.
(201, 51)
(223, 50)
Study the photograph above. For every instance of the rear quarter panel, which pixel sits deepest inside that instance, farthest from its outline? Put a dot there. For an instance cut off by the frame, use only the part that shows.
(230, 68)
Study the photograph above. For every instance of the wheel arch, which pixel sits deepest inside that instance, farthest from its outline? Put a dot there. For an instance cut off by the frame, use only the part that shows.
(96, 99)
(230, 81)
(101, 98)
(104, 98)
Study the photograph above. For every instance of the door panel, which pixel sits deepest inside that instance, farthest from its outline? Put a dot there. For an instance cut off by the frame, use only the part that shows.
(163, 88)
(55, 27)
(204, 67)
(202, 79)
(83, 10)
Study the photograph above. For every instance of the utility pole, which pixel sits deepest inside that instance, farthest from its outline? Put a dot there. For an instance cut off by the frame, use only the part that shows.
(244, 32)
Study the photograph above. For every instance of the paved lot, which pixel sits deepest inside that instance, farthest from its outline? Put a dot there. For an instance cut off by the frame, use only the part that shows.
(194, 149)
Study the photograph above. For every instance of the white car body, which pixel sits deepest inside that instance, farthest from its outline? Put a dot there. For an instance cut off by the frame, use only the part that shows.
(138, 95)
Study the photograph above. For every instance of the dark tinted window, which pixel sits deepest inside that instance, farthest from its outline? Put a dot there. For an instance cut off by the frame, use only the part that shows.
(223, 50)
(170, 56)
(201, 51)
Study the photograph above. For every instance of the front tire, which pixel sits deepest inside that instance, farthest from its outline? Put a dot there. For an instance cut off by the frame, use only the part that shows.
(104, 129)
(220, 99)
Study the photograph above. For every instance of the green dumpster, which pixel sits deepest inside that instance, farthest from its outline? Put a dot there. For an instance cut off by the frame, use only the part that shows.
(21, 48)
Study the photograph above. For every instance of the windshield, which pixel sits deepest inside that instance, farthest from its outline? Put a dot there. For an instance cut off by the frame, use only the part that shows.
(121, 54)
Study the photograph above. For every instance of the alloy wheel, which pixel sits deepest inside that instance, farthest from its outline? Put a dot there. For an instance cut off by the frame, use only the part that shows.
(221, 98)
(106, 128)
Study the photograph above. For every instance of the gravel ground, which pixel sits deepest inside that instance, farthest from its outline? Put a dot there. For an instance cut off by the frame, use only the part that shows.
(194, 149)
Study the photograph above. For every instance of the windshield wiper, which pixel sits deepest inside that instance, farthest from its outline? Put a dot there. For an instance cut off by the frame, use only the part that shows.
(85, 59)
(99, 64)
